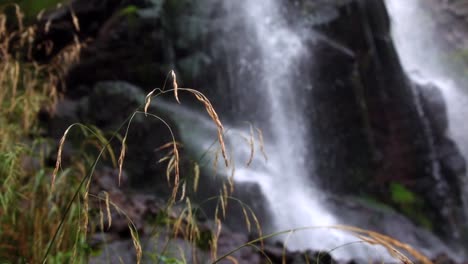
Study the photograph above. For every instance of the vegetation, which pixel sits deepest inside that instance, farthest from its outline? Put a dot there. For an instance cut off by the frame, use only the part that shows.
(410, 204)
(30, 211)
(31, 8)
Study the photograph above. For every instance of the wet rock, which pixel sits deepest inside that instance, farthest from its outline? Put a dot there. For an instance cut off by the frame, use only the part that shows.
(154, 249)
(108, 106)
(434, 107)
(110, 103)
(229, 241)
(443, 259)
(364, 103)
(247, 198)
(372, 215)
(276, 253)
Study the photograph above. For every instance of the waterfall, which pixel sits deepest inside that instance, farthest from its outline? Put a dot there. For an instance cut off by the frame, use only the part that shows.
(265, 54)
(286, 179)
(422, 55)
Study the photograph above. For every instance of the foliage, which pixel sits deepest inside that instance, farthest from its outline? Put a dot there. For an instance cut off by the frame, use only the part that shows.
(129, 10)
(31, 8)
(401, 195)
(29, 210)
(410, 204)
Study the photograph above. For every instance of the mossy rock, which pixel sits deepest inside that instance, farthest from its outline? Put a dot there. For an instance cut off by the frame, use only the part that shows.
(410, 204)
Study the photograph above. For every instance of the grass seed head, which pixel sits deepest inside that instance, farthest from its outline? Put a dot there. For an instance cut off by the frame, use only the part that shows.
(175, 86)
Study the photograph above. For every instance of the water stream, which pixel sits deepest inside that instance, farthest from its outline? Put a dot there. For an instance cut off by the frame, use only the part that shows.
(286, 178)
(270, 50)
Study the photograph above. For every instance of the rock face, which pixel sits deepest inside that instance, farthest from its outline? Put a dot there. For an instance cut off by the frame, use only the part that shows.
(377, 133)
(364, 103)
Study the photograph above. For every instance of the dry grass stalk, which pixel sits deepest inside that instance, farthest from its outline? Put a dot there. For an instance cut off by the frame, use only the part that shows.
(215, 161)
(225, 195)
(148, 101)
(174, 161)
(388, 243)
(214, 116)
(196, 178)
(214, 239)
(101, 218)
(136, 243)
(170, 168)
(258, 226)
(190, 226)
(261, 143)
(251, 145)
(86, 208)
(176, 169)
(232, 259)
(222, 202)
(247, 220)
(109, 217)
(182, 196)
(177, 227)
(231, 179)
(122, 157)
(167, 145)
(59, 156)
(19, 17)
(3, 31)
(75, 20)
(285, 244)
(175, 86)
(173, 165)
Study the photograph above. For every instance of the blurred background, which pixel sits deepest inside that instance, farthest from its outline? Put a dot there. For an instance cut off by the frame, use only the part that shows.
(164, 131)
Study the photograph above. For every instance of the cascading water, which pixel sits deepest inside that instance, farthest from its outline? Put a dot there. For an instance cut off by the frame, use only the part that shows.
(280, 49)
(422, 55)
(263, 52)
(285, 179)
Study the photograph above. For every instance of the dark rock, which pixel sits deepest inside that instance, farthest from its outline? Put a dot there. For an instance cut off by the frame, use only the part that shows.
(443, 259)
(109, 106)
(434, 106)
(276, 253)
(58, 120)
(79, 20)
(110, 103)
(372, 215)
(229, 241)
(247, 198)
(364, 103)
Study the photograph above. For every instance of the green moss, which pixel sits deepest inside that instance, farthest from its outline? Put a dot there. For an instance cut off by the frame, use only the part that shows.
(129, 10)
(401, 195)
(410, 204)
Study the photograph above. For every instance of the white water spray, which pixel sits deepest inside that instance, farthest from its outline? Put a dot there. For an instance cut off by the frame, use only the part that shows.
(285, 180)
